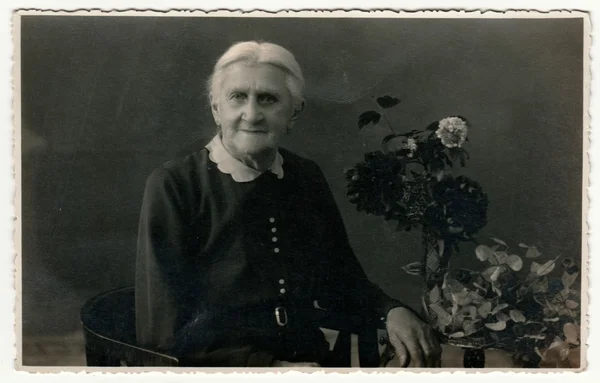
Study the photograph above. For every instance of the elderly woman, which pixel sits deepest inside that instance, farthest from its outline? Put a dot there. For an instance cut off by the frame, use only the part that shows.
(237, 240)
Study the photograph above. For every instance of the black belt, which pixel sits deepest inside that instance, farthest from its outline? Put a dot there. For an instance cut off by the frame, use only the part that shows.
(288, 332)
(276, 316)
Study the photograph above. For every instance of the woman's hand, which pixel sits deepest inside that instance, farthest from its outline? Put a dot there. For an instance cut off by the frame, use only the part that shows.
(284, 363)
(414, 341)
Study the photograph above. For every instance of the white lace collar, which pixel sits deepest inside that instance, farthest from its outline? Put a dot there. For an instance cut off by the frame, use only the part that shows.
(238, 170)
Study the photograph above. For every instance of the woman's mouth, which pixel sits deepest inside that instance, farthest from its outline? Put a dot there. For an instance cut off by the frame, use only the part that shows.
(253, 131)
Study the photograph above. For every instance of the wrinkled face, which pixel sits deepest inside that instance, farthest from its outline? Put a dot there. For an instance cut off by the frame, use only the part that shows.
(253, 108)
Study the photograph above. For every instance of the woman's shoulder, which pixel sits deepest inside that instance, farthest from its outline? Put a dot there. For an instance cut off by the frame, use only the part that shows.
(294, 161)
(183, 169)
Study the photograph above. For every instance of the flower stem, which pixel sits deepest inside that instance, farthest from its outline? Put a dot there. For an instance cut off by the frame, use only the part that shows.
(388, 123)
(386, 119)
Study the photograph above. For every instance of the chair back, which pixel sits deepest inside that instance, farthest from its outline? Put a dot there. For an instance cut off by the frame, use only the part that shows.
(109, 329)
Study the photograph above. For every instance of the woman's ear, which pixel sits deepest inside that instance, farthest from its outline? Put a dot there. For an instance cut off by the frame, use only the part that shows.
(297, 110)
(214, 108)
(296, 113)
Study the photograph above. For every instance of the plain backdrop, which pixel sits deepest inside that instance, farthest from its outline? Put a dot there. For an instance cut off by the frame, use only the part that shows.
(107, 99)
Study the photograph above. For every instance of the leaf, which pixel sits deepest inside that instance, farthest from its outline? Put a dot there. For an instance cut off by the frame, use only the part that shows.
(475, 298)
(523, 246)
(551, 306)
(557, 351)
(491, 274)
(502, 317)
(441, 325)
(568, 279)
(492, 260)
(571, 304)
(539, 285)
(498, 326)
(483, 252)
(457, 321)
(387, 101)
(414, 268)
(485, 309)
(496, 289)
(532, 252)
(473, 312)
(537, 351)
(564, 294)
(368, 117)
(540, 337)
(458, 334)
(434, 294)
(433, 127)
(390, 137)
(453, 285)
(469, 327)
(442, 314)
(514, 262)
(516, 316)
(555, 319)
(564, 312)
(501, 257)
(498, 308)
(441, 245)
(571, 332)
(454, 309)
(544, 269)
(498, 241)
(461, 298)
(446, 159)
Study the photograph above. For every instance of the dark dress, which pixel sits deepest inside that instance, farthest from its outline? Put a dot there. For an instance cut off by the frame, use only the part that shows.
(217, 257)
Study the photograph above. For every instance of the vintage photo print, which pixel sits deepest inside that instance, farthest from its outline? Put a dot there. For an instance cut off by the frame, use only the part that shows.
(311, 191)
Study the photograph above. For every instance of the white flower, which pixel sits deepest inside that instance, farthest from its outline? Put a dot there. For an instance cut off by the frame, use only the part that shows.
(411, 144)
(452, 131)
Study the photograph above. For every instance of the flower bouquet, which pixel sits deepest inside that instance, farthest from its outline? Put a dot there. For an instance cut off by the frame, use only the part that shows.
(410, 181)
(507, 301)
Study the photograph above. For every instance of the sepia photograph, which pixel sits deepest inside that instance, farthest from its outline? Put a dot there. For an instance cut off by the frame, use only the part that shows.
(301, 190)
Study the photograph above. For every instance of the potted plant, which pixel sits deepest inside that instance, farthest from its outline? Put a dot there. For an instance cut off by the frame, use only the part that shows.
(502, 303)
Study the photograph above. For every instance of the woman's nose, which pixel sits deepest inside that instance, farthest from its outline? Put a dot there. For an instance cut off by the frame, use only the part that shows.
(252, 112)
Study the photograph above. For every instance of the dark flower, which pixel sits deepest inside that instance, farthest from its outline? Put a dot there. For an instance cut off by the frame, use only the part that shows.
(376, 184)
(460, 207)
(416, 199)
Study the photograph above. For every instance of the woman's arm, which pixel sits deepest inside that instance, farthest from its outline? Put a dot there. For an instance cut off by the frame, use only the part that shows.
(412, 339)
(344, 281)
(165, 280)
(160, 261)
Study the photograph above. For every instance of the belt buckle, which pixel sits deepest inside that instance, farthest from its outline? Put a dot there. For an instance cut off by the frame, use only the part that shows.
(281, 316)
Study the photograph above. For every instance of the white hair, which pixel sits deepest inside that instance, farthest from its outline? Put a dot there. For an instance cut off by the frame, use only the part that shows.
(254, 52)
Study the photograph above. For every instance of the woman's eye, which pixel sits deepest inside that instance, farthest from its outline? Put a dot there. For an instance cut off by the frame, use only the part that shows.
(238, 97)
(267, 99)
